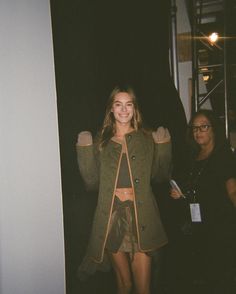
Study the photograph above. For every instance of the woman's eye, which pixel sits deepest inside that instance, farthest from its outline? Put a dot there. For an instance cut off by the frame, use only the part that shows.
(117, 104)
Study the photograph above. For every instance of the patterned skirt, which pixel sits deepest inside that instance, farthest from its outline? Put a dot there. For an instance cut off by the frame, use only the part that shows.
(122, 234)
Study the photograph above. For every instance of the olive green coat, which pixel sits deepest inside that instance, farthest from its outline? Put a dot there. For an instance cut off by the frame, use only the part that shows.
(146, 160)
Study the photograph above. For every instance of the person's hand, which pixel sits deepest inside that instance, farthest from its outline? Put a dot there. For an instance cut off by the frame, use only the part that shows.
(161, 135)
(85, 138)
(175, 194)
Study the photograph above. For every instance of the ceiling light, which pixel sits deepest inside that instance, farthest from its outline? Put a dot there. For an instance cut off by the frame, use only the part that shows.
(213, 37)
(206, 78)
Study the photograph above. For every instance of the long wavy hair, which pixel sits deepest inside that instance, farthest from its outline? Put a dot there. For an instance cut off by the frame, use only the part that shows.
(217, 129)
(108, 129)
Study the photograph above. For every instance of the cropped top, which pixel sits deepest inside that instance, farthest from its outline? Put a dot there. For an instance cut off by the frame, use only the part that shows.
(124, 175)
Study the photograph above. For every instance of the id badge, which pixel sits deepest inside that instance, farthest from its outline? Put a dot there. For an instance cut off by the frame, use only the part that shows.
(195, 212)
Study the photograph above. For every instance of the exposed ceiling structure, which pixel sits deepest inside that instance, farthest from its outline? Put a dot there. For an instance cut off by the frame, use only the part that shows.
(214, 59)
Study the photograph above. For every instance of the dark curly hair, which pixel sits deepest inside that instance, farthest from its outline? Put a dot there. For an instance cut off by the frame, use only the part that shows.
(217, 128)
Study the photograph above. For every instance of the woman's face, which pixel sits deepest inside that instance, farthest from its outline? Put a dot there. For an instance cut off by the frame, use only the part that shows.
(123, 108)
(202, 131)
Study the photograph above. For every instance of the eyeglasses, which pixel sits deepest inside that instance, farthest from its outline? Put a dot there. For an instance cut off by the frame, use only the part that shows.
(202, 128)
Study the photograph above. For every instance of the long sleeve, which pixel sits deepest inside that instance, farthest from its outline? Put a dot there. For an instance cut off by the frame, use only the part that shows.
(162, 164)
(88, 166)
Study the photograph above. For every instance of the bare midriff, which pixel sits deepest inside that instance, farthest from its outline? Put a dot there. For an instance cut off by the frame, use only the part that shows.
(124, 194)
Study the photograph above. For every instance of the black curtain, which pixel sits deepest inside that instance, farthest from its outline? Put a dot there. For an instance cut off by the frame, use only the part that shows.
(98, 44)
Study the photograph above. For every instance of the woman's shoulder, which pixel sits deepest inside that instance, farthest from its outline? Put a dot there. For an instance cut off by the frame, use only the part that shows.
(224, 152)
(144, 134)
(224, 161)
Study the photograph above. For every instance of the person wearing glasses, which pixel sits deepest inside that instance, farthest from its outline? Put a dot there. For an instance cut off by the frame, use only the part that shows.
(206, 201)
(127, 229)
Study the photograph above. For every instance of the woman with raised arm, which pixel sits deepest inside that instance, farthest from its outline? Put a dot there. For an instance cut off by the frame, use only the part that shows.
(127, 229)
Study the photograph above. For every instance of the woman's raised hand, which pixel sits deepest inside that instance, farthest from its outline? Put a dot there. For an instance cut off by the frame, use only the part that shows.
(85, 138)
(161, 135)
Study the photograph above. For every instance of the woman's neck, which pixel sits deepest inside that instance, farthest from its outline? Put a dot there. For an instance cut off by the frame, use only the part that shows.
(122, 130)
(205, 152)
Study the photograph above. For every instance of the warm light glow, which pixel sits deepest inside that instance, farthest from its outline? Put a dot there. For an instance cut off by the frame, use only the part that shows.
(213, 37)
(206, 78)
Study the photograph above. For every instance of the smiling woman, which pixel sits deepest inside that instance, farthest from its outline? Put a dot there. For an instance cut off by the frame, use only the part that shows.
(123, 108)
(127, 229)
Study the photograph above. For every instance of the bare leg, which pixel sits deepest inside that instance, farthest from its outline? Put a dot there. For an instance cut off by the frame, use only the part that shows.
(120, 262)
(141, 268)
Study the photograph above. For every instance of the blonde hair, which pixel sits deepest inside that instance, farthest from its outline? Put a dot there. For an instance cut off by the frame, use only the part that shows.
(109, 127)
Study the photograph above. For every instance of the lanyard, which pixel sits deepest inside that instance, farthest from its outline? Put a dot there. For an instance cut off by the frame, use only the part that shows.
(195, 174)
